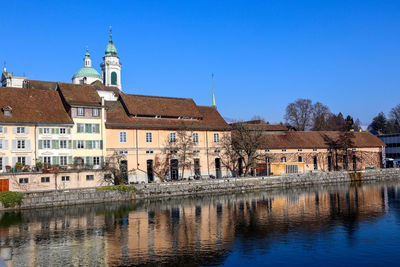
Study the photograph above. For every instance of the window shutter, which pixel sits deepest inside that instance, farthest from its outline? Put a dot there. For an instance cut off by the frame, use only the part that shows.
(88, 160)
(40, 130)
(101, 144)
(26, 130)
(40, 144)
(74, 144)
(69, 130)
(5, 145)
(5, 129)
(28, 161)
(14, 161)
(53, 144)
(70, 160)
(102, 160)
(5, 159)
(55, 160)
(57, 131)
(14, 144)
(28, 145)
(52, 130)
(41, 159)
(87, 127)
(97, 128)
(69, 144)
(14, 130)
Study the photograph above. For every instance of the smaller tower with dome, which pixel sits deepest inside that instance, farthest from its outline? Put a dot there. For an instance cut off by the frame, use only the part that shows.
(87, 74)
(111, 67)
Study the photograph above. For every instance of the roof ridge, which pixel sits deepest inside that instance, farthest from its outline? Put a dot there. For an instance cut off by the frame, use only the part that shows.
(166, 97)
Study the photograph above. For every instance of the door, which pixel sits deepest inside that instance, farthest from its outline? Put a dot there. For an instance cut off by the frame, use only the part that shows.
(218, 168)
(150, 175)
(3, 185)
(174, 165)
(197, 167)
(240, 167)
(329, 163)
(124, 170)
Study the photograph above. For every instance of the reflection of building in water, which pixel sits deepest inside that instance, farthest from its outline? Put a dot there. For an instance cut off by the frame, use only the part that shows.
(181, 232)
(191, 229)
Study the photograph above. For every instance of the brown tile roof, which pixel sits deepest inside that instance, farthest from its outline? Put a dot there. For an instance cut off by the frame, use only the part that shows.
(79, 94)
(35, 84)
(143, 105)
(32, 106)
(100, 86)
(263, 126)
(117, 118)
(315, 140)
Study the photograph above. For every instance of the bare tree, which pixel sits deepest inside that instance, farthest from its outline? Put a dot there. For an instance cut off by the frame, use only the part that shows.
(182, 149)
(339, 147)
(299, 114)
(228, 155)
(395, 114)
(118, 171)
(245, 142)
(321, 113)
(161, 166)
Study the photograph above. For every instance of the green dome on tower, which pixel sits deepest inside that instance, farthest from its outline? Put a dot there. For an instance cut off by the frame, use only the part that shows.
(111, 50)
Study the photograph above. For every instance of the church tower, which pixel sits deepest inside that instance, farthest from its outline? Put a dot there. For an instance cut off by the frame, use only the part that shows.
(111, 67)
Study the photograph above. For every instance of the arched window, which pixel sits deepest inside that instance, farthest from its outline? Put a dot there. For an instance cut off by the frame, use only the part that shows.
(113, 78)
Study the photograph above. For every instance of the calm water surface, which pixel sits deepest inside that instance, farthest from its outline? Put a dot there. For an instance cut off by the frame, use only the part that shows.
(337, 225)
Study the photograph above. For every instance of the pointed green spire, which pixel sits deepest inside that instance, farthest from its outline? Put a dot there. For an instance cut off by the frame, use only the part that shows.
(87, 55)
(213, 95)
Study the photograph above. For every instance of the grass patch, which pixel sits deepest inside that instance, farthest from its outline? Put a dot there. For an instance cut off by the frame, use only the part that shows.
(120, 188)
(11, 199)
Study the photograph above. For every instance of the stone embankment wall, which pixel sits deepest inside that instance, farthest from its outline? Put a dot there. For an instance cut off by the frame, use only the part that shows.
(220, 186)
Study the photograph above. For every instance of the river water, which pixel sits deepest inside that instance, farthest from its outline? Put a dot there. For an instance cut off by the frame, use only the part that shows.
(341, 225)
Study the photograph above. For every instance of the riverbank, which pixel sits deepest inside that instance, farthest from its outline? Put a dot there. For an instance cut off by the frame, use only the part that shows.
(187, 188)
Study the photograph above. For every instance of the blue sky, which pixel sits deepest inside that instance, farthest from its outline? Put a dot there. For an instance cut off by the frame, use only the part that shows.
(265, 54)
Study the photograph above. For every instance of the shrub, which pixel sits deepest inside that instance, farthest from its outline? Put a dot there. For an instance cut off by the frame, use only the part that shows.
(121, 188)
(19, 165)
(11, 199)
(39, 165)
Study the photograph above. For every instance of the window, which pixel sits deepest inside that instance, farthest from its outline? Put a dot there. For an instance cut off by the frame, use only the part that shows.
(292, 169)
(299, 149)
(195, 138)
(113, 78)
(20, 130)
(149, 152)
(63, 160)
(22, 160)
(65, 178)
(1, 129)
(21, 144)
(81, 144)
(1, 144)
(96, 160)
(300, 159)
(196, 151)
(149, 138)
(46, 143)
(172, 137)
(47, 160)
(23, 180)
(89, 177)
(315, 149)
(315, 163)
(122, 137)
(216, 151)
(80, 128)
(7, 113)
(46, 130)
(96, 144)
(283, 159)
(95, 128)
(283, 150)
(123, 152)
(63, 143)
(1, 163)
(216, 138)
(80, 111)
(266, 150)
(197, 167)
(62, 131)
(95, 112)
(45, 179)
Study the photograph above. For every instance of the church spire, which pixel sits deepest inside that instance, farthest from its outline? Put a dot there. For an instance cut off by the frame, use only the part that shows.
(213, 95)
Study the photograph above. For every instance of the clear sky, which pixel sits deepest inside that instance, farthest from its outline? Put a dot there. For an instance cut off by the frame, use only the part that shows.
(265, 54)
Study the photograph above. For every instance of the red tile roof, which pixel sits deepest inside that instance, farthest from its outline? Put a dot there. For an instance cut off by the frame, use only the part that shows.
(79, 94)
(315, 140)
(263, 126)
(32, 106)
(117, 118)
(143, 105)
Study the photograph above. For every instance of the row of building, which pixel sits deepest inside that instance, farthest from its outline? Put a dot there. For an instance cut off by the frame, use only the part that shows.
(69, 127)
